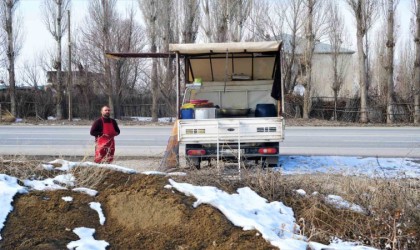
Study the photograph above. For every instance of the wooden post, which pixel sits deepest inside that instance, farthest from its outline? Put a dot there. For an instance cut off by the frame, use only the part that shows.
(0, 113)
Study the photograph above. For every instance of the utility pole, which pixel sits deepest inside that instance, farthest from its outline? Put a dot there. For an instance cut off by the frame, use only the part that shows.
(69, 84)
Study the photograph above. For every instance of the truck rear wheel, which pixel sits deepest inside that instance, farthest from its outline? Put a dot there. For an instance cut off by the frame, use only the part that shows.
(194, 162)
(270, 162)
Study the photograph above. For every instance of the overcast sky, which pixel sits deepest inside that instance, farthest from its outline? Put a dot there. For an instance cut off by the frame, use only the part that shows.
(38, 40)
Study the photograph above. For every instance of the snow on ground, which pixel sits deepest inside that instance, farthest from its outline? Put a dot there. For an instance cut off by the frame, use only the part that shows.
(337, 201)
(51, 183)
(87, 191)
(354, 166)
(149, 119)
(340, 203)
(67, 165)
(9, 187)
(66, 180)
(301, 192)
(67, 198)
(246, 209)
(87, 242)
(97, 207)
(153, 173)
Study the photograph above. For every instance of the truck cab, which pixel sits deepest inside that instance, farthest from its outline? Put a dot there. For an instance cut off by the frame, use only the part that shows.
(230, 103)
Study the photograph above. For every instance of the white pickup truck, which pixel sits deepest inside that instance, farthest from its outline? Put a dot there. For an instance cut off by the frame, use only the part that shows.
(232, 102)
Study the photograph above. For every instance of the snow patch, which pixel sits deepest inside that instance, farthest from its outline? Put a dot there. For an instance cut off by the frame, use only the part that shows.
(153, 173)
(97, 207)
(51, 183)
(86, 242)
(351, 166)
(9, 187)
(67, 198)
(248, 210)
(340, 203)
(300, 192)
(68, 165)
(87, 191)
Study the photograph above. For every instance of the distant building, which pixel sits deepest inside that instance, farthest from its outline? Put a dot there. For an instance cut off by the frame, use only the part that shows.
(4, 88)
(322, 72)
(80, 78)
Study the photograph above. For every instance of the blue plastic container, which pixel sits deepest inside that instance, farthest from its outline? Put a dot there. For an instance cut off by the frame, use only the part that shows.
(187, 113)
(265, 110)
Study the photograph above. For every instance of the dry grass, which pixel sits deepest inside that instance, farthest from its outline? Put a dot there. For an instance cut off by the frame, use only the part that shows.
(23, 167)
(6, 116)
(89, 177)
(392, 206)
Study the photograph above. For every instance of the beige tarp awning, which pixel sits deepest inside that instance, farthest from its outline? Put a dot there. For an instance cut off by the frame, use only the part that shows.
(238, 47)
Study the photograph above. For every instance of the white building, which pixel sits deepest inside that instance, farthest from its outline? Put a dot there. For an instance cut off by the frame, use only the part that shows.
(322, 72)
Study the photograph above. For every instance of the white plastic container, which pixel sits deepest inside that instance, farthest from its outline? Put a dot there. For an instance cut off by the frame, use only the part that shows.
(205, 113)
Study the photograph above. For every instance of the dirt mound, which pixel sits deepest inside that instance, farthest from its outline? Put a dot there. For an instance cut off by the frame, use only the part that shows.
(140, 214)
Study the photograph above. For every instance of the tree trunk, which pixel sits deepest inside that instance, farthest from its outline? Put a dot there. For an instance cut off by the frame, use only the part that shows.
(11, 56)
(390, 63)
(362, 66)
(309, 52)
(118, 88)
(335, 104)
(336, 83)
(289, 65)
(107, 65)
(417, 68)
(155, 87)
(59, 94)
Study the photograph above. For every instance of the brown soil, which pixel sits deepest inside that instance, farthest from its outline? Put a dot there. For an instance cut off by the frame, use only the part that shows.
(140, 214)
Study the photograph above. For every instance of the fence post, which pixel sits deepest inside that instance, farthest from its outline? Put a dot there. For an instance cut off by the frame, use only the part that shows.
(0, 113)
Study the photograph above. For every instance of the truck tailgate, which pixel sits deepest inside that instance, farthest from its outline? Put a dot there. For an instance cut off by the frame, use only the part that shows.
(231, 130)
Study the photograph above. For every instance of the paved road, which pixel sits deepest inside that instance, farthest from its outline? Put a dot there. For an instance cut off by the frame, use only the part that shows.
(352, 141)
(151, 141)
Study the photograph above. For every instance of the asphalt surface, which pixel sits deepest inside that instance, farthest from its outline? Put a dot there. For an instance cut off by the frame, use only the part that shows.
(139, 141)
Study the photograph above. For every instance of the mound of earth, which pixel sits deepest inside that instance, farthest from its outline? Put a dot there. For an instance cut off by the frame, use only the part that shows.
(140, 214)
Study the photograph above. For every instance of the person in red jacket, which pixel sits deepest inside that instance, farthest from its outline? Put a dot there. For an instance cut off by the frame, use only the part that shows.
(104, 129)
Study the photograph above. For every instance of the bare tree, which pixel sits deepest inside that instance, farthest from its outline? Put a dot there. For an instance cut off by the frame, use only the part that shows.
(390, 44)
(261, 21)
(56, 22)
(31, 76)
(336, 39)
(378, 78)
(238, 14)
(417, 66)
(224, 20)
(215, 20)
(310, 46)
(405, 71)
(150, 10)
(189, 20)
(363, 11)
(280, 20)
(10, 26)
(166, 67)
(128, 36)
(96, 39)
(107, 30)
(294, 22)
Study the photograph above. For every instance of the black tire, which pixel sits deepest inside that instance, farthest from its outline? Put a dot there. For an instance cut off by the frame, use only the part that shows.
(194, 163)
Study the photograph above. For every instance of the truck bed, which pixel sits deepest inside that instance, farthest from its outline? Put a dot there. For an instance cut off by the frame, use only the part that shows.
(231, 130)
